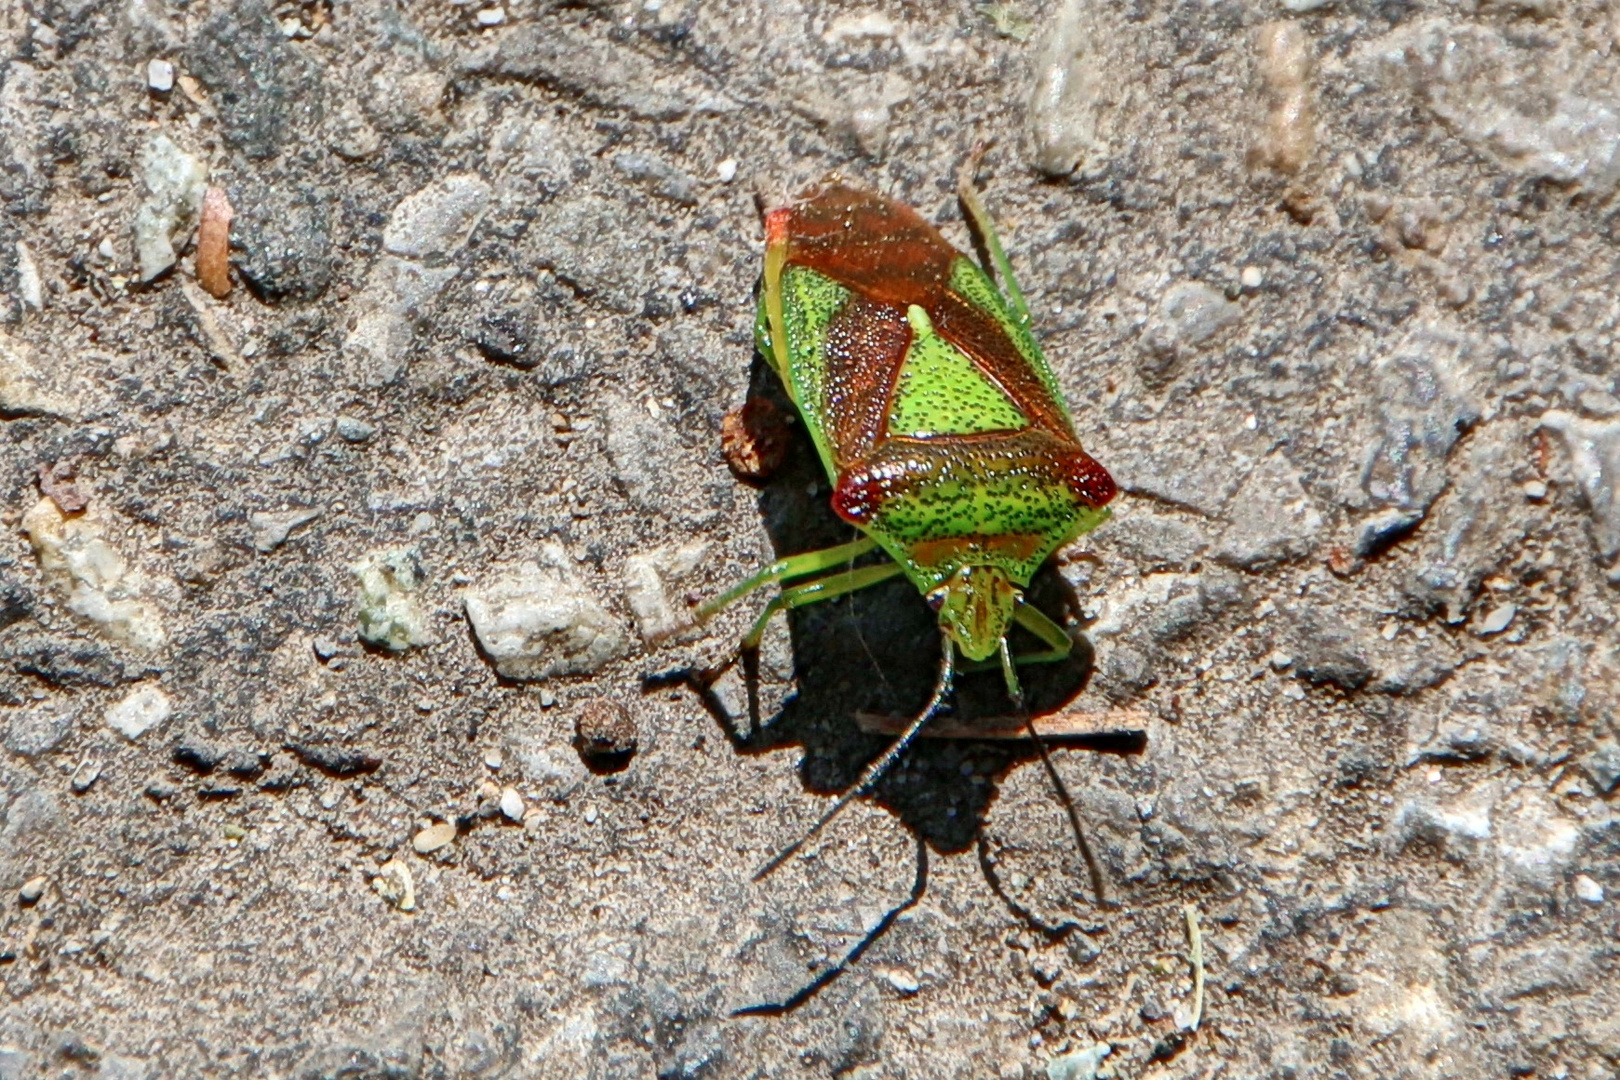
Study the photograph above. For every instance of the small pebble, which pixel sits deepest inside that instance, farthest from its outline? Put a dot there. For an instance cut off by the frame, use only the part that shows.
(85, 775)
(1535, 490)
(1251, 277)
(727, 170)
(493, 759)
(395, 885)
(606, 735)
(512, 804)
(32, 890)
(434, 837)
(590, 815)
(1588, 890)
(904, 981)
(491, 17)
(160, 75)
(352, 430)
(1497, 619)
(1280, 661)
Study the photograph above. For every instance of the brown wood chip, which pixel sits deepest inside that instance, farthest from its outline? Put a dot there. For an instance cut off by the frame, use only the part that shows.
(214, 244)
(1070, 724)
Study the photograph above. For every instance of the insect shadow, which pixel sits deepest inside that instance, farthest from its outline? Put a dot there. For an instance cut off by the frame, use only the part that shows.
(876, 652)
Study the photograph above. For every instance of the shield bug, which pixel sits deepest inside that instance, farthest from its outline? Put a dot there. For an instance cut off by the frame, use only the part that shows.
(940, 425)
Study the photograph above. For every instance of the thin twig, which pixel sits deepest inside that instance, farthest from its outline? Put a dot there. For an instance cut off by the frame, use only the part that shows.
(1195, 940)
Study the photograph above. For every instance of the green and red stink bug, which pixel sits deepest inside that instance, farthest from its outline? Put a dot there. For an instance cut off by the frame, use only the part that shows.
(937, 419)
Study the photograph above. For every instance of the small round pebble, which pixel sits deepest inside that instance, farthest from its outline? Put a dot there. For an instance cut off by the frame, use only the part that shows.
(439, 834)
(491, 16)
(1588, 890)
(32, 889)
(1497, 619)
(606, 735)
(727, 170)
(1251, 277)
(512, 804)
(1535, 490)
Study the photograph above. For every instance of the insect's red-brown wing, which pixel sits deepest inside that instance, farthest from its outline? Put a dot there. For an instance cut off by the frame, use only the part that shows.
(890, 258)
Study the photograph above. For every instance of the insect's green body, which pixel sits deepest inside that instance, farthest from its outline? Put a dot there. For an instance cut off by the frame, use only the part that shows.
(938, 421)
(935, 415)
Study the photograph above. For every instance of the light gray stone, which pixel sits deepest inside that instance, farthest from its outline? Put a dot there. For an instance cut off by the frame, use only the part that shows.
(390, 606)
(175, 182)
(141, 710)
(38, 729)
(539, 619)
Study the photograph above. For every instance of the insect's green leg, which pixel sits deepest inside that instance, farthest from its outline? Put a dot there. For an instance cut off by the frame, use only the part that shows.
(987, 230)
(810, 562)
(821, 589)
(1034, 620)
(1015, 690)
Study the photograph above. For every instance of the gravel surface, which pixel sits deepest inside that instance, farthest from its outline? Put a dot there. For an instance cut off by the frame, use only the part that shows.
(343, 618)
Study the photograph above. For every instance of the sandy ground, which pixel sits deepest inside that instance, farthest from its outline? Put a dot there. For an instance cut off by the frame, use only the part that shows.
(308, 590)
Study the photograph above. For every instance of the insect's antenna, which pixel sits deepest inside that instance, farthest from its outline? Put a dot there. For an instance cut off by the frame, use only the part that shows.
(1092, 867)
(947, 669)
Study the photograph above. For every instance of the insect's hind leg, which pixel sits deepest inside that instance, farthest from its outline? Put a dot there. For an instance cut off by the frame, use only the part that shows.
(785, 569)
(979, 217)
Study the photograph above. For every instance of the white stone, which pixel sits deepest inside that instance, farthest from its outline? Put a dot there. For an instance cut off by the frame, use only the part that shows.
(29, 286)
(395, 884)
(390, 606)
(1068, 94)
(539, 619)
(439, 834)
(1190, 315)
(1251, 277)
(160, 75)
(512, 804)
(648, 582)
(1588, 890)
(270, 530)
(1082, 1064)
(727, 170)
(1497, 619)
(175, 183)
(143, 709)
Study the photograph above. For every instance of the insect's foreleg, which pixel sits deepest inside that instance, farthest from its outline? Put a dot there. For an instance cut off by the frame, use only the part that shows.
(1034, 620)
(793, 566)
(815, 591)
